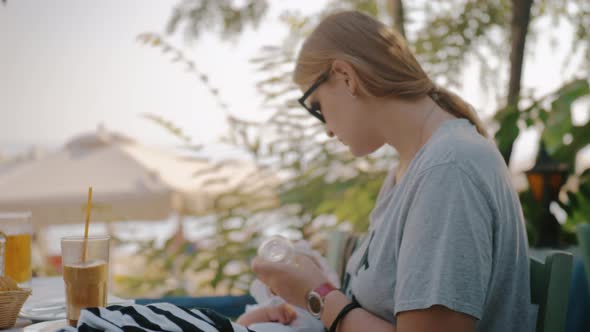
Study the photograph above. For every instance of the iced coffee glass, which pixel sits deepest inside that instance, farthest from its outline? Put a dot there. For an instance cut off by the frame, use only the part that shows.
(15, 246)
(86, 280)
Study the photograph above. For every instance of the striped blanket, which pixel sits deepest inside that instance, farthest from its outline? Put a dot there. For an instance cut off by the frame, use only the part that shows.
(153, 317)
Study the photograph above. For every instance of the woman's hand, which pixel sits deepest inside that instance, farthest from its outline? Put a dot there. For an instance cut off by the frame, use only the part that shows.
(292, 282)
(282, 313)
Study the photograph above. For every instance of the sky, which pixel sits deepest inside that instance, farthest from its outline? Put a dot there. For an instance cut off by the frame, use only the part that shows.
(68, 66)
(72, 65)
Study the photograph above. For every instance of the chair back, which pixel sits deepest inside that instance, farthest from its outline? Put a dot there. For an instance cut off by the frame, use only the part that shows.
(550, 284)
(583, 231)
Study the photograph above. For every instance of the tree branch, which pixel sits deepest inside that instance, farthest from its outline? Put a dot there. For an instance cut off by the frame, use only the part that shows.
(521, 15)
(397, 16)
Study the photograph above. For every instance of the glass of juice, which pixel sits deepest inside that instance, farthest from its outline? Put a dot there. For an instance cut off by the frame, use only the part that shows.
(15, 246)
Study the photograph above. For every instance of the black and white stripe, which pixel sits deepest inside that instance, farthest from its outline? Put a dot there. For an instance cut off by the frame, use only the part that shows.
(153, 317)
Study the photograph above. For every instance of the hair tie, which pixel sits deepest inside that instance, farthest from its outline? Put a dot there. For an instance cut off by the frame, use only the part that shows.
(435, 93)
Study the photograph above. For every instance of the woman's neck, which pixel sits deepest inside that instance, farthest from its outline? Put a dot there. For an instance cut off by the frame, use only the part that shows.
(407, 126)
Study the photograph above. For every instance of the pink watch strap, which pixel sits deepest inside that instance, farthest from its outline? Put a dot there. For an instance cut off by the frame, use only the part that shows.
(324, 289)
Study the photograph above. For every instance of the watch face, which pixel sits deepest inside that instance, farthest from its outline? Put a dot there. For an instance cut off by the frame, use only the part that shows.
(314, 304)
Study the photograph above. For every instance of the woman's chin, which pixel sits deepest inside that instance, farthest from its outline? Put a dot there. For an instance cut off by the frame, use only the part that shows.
(362, 151)
(358, 152)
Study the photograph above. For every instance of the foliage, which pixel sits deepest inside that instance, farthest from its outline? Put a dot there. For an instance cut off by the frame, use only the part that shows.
(552, 115)
(227, 16)
(182, 268)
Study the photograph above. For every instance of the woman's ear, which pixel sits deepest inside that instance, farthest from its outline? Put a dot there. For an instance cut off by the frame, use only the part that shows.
(347, 73)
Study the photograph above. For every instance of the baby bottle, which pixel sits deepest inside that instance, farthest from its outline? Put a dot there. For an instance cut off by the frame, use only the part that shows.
(277, 249)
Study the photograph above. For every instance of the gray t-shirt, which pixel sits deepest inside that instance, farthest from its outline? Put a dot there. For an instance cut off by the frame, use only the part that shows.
(450, 233)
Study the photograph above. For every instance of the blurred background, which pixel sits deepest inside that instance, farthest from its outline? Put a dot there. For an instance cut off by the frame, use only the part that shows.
(181, 115)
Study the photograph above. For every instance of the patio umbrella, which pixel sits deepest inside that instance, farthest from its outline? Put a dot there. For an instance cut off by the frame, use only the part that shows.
(130, 182)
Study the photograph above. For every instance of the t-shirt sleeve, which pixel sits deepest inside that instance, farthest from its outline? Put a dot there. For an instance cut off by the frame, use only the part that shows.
(445, 255)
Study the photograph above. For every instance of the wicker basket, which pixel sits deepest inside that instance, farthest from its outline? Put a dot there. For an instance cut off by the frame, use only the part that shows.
(10, 305)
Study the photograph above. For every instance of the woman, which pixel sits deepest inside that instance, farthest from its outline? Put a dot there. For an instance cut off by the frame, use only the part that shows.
(446, 249)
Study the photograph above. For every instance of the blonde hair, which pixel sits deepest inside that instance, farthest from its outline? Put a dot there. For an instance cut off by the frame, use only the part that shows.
(383, 62)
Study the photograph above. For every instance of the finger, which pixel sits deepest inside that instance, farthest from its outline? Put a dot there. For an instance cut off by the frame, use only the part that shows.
(284, 314)
(315, 260)
(272, 314)
(302, 260)
(260, 266)
(264, 269)
(289, 313)
(260, 269)
(292, 313)
(255, 264)
(307, 260)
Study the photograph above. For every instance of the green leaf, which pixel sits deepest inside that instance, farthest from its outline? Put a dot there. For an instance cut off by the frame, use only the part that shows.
(508, 132)
(559, 123)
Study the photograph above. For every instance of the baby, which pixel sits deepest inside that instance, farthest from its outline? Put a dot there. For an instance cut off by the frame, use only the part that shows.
(272, 313)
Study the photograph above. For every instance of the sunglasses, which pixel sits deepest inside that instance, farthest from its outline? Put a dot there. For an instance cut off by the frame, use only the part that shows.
(314, 108)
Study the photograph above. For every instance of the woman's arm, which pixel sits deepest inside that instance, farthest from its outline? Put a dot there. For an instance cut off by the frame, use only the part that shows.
(294, 282)
(356, 320)
(436, 318)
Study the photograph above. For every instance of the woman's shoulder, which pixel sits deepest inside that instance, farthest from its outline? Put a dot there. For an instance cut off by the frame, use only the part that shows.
(457, 149)
(456, 143)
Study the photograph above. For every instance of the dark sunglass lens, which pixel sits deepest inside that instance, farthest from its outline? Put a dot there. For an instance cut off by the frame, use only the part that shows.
(316, 107)
(317, 112)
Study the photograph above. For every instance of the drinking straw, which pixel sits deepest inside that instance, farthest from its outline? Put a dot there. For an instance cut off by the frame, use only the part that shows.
(88, 208)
